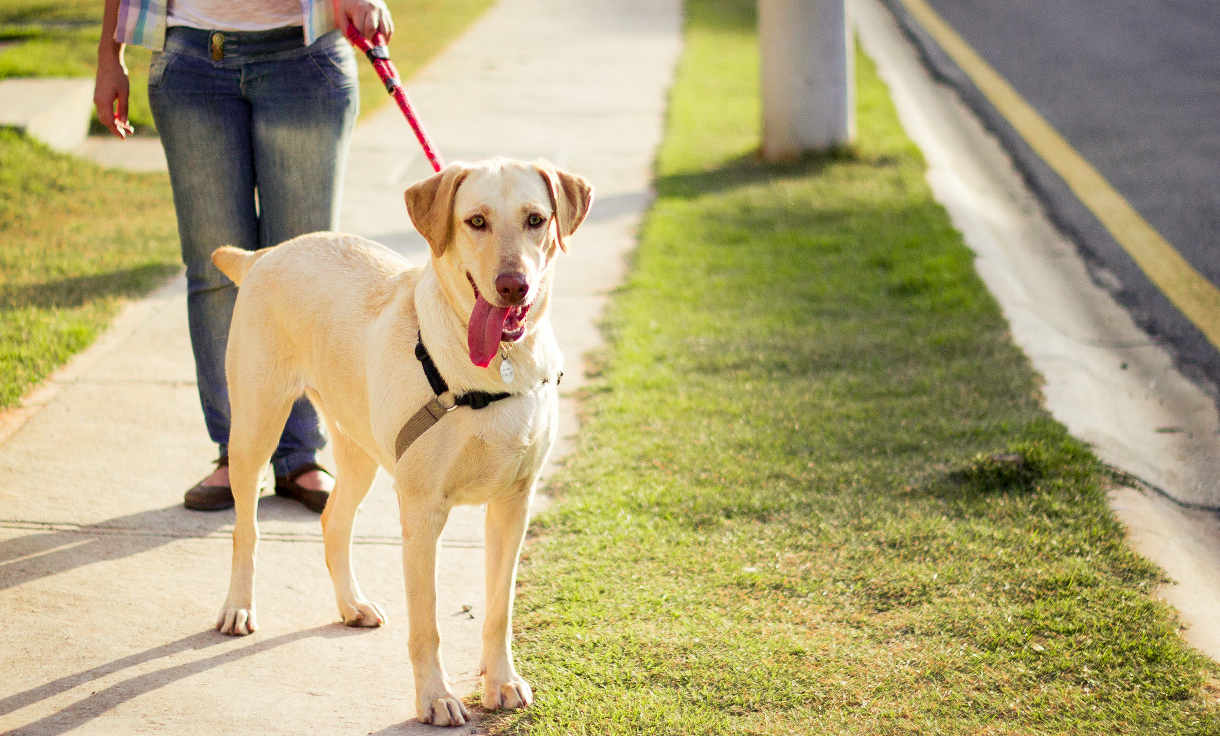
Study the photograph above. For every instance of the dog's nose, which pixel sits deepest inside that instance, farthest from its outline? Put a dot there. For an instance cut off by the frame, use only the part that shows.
(512, 287)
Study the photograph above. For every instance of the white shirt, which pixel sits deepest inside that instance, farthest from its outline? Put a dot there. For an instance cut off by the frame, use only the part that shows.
(234, 15)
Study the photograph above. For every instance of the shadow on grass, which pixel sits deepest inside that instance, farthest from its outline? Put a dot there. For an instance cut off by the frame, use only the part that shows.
(1044, 465)
(12, 34)
(76, 291)
(724, 17)
(750, 168)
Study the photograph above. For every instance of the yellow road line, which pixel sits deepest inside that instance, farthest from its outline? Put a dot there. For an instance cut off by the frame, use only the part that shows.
(1196, 297)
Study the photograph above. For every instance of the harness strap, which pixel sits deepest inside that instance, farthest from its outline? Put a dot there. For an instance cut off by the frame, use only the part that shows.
(440, 405)
(421, 421)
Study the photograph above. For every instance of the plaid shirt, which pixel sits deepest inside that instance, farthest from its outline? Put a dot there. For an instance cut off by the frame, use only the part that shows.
(142, 22)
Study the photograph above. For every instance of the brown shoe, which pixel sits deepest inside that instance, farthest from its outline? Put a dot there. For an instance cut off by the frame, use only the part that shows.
(210, 498)
(313, 499)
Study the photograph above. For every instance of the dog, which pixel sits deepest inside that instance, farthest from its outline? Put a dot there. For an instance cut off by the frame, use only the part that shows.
(340, 319)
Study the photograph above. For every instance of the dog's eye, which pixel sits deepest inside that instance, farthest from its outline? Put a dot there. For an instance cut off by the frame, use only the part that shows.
(535, 220)
(477, 222)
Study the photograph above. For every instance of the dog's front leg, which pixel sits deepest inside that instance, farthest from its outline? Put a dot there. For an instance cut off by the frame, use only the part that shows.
(435, 703)
(505, 531)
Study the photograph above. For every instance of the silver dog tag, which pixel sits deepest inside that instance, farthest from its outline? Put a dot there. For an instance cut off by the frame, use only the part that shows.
(506, 371)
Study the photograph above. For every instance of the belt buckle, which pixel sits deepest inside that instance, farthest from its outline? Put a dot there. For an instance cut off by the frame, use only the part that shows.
(218, 46)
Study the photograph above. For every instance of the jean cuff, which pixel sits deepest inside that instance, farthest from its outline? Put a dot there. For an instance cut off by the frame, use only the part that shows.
(284, 466)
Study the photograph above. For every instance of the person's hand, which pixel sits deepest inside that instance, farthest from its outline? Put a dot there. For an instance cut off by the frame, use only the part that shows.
(111, 89)
(368, 16)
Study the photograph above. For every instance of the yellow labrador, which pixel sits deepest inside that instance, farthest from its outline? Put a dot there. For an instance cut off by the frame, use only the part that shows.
(340, 318)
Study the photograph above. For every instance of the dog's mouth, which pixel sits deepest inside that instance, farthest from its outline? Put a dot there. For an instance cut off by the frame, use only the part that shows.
(490, 325)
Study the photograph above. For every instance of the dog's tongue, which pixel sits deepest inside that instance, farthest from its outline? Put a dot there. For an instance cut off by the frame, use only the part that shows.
(483, 335)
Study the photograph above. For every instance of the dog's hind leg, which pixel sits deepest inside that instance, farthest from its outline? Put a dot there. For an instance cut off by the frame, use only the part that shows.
(247, 455)
(260, 404)
(354, 476)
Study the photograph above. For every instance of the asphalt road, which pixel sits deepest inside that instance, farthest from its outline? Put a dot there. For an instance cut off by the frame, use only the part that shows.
(1134, 87)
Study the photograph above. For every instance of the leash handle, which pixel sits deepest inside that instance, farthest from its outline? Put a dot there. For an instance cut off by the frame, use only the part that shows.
(378, 52)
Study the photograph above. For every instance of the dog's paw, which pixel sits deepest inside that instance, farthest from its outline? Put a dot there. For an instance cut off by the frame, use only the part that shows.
(445, 710)
(363, 614)
(236, 621)
(513, 693)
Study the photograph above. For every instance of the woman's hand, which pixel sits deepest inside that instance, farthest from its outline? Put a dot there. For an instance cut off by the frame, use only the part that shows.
(111, 89)
(368, 16)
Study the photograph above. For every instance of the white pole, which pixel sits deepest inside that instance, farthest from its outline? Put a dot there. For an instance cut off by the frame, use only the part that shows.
(808, 87)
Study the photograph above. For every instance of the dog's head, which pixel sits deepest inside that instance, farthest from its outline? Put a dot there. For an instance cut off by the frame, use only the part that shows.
(494, 229)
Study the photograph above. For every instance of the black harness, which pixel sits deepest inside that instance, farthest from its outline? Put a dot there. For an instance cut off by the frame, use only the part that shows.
(473, 399)
(441, 404)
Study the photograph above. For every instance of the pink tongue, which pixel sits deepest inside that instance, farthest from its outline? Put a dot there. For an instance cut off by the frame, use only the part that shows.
(483, 335)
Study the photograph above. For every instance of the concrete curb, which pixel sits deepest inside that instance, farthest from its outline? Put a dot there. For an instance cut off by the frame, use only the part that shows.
(1109, 263)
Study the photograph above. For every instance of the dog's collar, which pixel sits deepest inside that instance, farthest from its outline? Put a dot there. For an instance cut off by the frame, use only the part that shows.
(473, 399)
(443, 402)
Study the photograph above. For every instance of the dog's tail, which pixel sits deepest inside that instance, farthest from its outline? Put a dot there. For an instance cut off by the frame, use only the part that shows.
(235, 262)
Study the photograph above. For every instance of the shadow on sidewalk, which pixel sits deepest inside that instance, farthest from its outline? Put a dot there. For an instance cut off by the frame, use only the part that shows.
(415, 728)
(40, 555)
(98, 703)
(52, 548)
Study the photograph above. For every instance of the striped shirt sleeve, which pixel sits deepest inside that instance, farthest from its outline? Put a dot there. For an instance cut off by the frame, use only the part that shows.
(141, 22)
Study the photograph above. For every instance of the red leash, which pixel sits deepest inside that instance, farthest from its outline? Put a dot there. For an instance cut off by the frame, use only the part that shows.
(379, 54)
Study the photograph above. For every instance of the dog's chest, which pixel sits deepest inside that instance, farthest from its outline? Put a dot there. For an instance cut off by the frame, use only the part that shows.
(499, 449)
(521, 431)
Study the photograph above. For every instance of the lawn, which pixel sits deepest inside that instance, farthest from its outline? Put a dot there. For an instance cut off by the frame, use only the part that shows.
(816, 490)
(77, 240)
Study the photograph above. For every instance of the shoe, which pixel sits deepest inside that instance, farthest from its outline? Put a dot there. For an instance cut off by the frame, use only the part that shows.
(210, 498)
(314, 500)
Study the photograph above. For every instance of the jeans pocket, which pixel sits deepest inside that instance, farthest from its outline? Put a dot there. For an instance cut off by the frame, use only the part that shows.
(336, 63)
(156, 68)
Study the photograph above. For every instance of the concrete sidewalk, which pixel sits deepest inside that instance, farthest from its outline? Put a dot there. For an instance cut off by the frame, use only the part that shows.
(110, 587)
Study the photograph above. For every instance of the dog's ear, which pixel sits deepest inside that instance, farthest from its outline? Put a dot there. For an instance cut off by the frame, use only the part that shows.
(430, 205)
(571, 198)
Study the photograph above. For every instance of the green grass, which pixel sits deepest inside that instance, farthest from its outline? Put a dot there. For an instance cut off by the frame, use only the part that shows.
(816, 492)
(77, 240)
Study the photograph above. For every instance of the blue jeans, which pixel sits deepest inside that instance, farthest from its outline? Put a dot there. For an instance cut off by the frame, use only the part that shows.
(256, 127)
